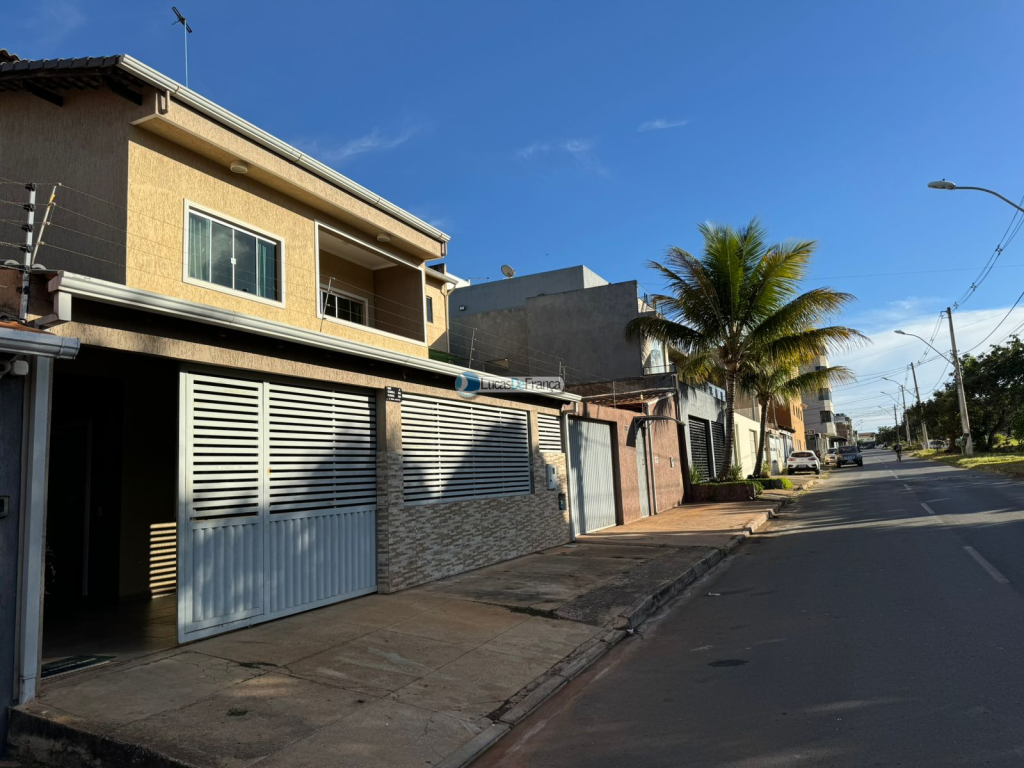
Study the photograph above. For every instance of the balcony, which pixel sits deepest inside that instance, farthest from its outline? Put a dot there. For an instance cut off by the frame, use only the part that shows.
(365, 286)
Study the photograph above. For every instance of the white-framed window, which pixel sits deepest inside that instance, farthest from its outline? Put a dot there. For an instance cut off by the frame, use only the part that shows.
(430, 309)
(232, 257)
(456, 451)
(343, 306)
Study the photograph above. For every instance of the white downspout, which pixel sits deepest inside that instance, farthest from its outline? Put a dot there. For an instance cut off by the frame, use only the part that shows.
(30, 611)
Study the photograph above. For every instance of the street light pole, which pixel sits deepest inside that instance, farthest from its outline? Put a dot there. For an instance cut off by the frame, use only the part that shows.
(903, 394)
(965, 423)
(950, 185)
(924, 426)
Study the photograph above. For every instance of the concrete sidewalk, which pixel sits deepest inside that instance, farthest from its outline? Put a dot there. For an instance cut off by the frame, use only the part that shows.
(426, 677)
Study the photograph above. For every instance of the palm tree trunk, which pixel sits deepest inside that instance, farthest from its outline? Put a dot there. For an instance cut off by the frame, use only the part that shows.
(762, 434)
(730, 407)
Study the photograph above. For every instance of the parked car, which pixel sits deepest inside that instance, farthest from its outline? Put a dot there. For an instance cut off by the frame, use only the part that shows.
(830, 458)
(802, 461)
(938, 445)
(849, 454)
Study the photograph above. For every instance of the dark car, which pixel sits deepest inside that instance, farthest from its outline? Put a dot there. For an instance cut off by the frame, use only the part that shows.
(849, 454)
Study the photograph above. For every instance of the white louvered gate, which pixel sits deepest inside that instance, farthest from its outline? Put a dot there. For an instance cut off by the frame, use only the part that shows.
(549, 429)
(453, 451)
(278, 488)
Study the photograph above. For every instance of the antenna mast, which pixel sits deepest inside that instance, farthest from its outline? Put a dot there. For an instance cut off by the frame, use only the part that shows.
(188, 31)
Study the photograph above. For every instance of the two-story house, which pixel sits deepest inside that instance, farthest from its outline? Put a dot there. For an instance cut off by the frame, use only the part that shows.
(255, 421)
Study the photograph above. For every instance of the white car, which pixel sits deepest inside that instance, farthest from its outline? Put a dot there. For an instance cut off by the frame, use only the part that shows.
(832, 457)
(802, 461)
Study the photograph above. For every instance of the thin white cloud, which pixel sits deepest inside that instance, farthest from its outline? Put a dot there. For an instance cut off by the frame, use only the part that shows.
(376, 140)
(660, 124)
(579, 150)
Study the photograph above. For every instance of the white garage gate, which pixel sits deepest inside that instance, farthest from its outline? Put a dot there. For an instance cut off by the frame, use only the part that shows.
(277, 500)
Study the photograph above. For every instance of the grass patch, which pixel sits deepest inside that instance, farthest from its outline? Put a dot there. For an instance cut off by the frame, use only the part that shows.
(1000, 463)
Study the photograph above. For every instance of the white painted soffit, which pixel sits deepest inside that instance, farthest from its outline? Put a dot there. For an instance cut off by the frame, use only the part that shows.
(16, 342)
(253, 133)
(146, 301)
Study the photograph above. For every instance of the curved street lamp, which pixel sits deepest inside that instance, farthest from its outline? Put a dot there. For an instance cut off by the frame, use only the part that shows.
(950, 185)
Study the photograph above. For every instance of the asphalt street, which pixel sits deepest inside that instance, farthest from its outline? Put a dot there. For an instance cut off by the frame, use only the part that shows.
(878, 622)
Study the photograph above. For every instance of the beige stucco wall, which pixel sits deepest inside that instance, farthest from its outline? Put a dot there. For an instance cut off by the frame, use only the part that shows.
(163, 175)
(82, 145)
(437, 331)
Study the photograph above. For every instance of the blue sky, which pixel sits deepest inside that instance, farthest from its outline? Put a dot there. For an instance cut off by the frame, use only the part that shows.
(548, 134)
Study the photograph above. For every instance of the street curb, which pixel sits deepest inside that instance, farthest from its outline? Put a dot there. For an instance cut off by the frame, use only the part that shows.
(548, 684)
(475, 747)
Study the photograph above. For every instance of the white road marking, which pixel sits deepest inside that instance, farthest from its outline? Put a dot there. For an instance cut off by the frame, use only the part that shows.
(928, 509)
(907, 487)
(989, 568)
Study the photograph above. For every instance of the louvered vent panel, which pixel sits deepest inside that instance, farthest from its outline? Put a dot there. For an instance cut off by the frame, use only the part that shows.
(224, 447)
(322, 448)
(454, 450)
(550, 429)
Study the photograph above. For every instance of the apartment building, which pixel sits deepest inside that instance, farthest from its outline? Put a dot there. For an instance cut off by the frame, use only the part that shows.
(819, 412)
(260, 419)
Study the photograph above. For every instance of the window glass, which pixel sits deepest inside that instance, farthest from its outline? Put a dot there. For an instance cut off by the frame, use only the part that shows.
(221, 272)
(245, 262)
(430, 309)
(198, 247)
(231, 257)
(268, 270)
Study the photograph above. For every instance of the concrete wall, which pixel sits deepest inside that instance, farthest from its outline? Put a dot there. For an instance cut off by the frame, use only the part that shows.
(584, 330)
(505, 294)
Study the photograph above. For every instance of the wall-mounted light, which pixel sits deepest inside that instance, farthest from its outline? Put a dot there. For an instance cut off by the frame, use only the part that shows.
(237, 166)
(462, 307)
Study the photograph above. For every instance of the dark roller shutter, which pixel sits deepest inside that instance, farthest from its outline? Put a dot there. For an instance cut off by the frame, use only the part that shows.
(718, 442)
(699, 448)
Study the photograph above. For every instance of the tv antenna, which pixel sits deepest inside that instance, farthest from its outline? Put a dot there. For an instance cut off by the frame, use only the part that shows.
(188, 31)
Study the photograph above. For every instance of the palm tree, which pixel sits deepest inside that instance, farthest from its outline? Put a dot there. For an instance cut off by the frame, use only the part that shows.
(774, 382)
(738, 302)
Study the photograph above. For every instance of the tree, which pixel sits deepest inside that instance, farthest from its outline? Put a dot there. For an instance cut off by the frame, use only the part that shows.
(776, 381)
(994, 387)
(739, 302)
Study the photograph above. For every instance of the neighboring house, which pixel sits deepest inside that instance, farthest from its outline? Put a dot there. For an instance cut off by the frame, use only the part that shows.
(572, 323)
(819, 412)
(254, 422)
(567, 322)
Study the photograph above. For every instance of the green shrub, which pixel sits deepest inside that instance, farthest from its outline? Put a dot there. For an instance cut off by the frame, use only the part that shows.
(735, 472)
(695, 478)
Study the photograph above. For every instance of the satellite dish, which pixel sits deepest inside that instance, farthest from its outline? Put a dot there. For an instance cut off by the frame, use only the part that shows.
(507, 271)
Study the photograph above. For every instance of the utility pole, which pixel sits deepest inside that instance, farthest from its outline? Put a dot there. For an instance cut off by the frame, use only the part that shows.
(917, 391)
(906, 416)
(896, 421)
(28, 226)
(965, 424)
